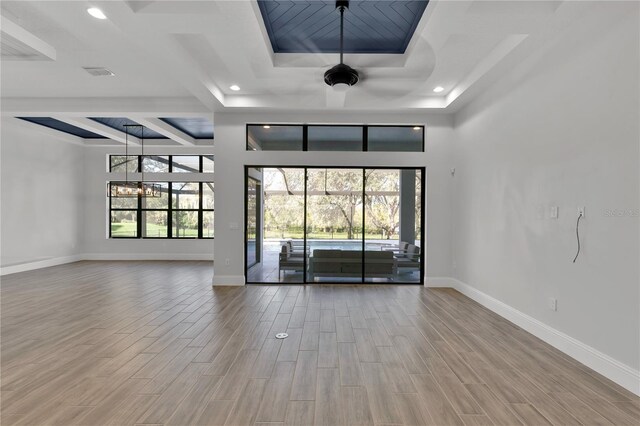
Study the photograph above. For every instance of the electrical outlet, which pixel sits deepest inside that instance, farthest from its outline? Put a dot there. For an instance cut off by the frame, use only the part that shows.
(581, 211)
(227, 262)
(552, 303)
(553, 212)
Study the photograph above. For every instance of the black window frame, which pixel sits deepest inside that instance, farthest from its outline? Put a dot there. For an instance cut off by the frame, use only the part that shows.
(305, 281)
(365, 134)
(139, 162)
(139, 209)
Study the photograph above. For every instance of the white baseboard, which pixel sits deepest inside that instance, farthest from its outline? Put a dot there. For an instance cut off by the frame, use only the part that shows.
(613, 369)
(148, 256)
(55, 261)
(228, 280)
(38, 264)
(435, 282)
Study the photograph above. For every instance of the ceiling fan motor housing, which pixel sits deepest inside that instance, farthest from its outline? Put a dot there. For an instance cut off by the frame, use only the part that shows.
(341, 74)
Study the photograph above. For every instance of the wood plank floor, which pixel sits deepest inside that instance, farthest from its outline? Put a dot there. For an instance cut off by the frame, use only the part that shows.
(125, 343)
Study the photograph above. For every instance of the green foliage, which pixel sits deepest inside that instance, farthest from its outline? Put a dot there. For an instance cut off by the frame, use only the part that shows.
(334, 205)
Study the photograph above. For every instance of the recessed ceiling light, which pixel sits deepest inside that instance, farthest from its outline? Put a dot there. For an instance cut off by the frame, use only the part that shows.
(96, 13)
(416, 128)
(266, 127)
(234, 87)
(438, 89)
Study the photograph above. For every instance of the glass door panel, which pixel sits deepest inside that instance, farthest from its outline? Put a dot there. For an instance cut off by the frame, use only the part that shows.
(334, 225)
(382, 224)
(283, 240)
(253, 186)
(409, 256)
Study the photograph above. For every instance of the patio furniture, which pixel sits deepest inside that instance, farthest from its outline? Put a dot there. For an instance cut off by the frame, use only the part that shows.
(400, 248)
(296, 248)
(348, 263)
(409, 258)
(287, 261)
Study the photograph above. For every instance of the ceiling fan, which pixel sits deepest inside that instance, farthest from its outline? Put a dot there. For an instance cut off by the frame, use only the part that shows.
(341, 76)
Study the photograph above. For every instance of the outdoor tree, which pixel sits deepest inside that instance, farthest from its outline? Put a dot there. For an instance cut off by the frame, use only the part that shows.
(382, 201)
(335, 201)
(284, 201)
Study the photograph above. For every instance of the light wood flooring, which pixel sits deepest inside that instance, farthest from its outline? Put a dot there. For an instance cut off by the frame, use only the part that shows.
(109, 343)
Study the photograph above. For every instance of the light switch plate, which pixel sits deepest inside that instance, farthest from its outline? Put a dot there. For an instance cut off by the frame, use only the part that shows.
(553, 212)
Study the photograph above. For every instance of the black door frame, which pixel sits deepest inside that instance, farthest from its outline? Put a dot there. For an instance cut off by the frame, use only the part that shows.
(258, 220)
(423, 241)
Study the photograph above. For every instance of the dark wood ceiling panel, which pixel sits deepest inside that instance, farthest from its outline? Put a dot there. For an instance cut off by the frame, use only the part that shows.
(309, 26)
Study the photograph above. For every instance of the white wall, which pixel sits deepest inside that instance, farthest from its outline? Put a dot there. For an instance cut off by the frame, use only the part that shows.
(95, 210)
(231, 157)
(54, 204)
(561, 133)
(41, 187)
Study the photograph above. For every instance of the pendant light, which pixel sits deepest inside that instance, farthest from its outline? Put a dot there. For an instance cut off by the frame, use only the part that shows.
(134, 189)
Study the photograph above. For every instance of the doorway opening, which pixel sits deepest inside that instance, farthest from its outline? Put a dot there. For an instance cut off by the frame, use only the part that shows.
(353, 225)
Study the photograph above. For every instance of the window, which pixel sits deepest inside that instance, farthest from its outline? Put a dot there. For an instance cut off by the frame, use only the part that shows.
(334, 138)
(189, 214)
(338, 137)
(185, 209)
(207, 164)
(403, 138)
(155, 163)
(161, 163)
(185, 163)
(265, 137)
(185, 201)
(122, 163)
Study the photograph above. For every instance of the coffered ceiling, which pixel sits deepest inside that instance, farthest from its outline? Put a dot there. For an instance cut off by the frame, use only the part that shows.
(180, 58)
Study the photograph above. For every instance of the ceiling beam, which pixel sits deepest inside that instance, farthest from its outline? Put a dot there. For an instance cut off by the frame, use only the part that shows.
(171, 55)
(67, 137)
(98, 128)
(105, 107)
(14, 31)
(165, 129)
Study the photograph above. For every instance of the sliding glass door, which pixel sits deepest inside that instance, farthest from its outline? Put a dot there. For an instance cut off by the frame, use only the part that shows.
(382, 222)
(335, 225)
(282, 228)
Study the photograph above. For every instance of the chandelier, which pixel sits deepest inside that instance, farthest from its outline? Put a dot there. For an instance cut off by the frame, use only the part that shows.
(133, 189)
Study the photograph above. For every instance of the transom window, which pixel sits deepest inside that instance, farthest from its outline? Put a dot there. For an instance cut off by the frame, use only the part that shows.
(307, 137)
(161, 163)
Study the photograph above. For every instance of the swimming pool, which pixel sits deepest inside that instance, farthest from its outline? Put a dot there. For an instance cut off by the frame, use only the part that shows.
(274, 245)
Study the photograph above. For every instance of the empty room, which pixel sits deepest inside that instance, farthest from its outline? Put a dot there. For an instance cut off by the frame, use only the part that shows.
(320, 212)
